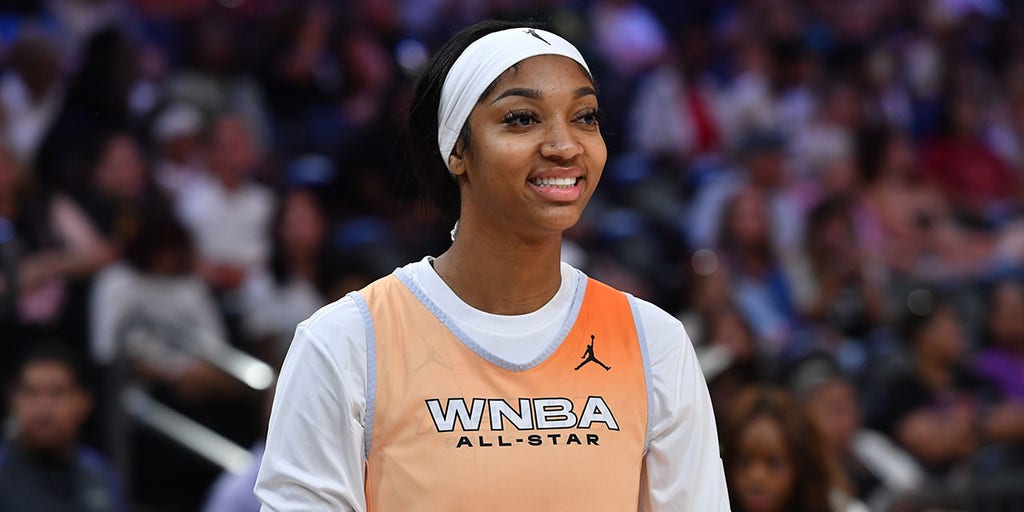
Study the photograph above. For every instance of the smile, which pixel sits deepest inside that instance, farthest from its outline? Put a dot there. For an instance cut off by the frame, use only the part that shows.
(565, 183)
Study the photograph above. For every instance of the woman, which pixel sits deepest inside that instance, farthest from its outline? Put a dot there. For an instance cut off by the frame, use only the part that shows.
(494, 375)
(777, 460)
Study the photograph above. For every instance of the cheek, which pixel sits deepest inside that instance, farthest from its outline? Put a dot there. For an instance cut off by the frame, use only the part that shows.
(783, 479)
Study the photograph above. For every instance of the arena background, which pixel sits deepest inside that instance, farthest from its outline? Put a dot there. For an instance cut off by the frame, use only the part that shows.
(824, 192)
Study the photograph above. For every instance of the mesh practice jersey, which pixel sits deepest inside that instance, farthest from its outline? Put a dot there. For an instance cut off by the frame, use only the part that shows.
(464, 410)
(565, 432)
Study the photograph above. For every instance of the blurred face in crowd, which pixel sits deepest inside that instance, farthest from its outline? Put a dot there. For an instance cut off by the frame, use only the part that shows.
(941, 340)
(833, 407)
(966, 116)
(49, 406)
(536, 152)
(834, 237)
(898, 159)
(765, 473)
(748, 219)
(1006, 317)
(766, 169)
(302, 225)
(232, 152)
(730, 330)
(712, 291)
(368, 62)
(121, 172)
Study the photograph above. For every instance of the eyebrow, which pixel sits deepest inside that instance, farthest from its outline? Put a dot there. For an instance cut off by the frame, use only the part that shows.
(534, 94)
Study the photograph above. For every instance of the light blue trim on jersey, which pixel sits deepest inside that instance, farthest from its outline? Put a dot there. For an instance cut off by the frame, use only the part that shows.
(648, 376)
(371, 370)
(406, 277)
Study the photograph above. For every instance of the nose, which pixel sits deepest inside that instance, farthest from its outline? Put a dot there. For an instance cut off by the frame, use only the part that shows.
(561, 143)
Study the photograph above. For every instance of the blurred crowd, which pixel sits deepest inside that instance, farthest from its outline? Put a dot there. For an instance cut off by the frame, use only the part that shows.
(830, 195)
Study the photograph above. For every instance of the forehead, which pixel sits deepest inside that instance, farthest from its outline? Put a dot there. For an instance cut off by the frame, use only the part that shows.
(762, 434)
(541, 72)
(47, 372)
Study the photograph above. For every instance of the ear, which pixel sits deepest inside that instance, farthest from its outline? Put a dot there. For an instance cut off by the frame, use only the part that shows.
(456, 164)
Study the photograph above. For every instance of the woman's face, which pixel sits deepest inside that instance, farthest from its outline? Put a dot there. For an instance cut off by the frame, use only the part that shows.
(1006, 319)
(302, 227)
(833, 406)
(748, 221)
(536, 152)
(121, 171)
(764, 476)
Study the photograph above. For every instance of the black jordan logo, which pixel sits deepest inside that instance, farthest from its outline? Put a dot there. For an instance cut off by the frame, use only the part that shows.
(534, 33)
(588, 356)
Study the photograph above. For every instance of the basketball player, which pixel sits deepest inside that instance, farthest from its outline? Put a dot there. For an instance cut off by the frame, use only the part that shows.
(456, 383)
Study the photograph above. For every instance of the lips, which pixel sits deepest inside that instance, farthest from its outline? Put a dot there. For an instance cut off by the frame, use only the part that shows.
(558, 184)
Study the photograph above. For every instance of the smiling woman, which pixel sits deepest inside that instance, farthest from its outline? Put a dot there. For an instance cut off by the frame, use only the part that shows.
(494, 374)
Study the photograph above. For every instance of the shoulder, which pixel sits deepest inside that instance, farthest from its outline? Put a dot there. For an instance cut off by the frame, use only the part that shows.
(655, 327)
(663, 333)
(341, 318)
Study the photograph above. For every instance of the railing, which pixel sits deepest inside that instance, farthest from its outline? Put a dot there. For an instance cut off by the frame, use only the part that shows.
(135, 406)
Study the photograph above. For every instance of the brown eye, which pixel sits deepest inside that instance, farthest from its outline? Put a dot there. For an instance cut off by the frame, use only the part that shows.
(590, 116)
(520, 118)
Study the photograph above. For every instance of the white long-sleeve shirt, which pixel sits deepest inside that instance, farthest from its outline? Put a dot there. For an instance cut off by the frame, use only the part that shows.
(315, 458)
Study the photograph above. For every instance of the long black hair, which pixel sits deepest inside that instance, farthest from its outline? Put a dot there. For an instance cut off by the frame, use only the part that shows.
(425, 160)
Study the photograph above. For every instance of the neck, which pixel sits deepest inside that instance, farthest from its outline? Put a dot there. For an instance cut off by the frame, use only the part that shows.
(303, 266)
(51, 456)
(502, 273)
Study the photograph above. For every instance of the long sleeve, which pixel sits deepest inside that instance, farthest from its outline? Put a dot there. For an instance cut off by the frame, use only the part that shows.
(314, 457)
(683, 467)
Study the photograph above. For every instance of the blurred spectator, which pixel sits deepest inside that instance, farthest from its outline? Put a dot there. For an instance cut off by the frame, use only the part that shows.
(828, 137)
(628, 35)
(729, 358)
(44, 468)
(761, 155)
(845, 292)
(297, 282)
(56, 244)
(120, 188)
(215, 78)
(936, 408)
(761, 287)
(1002, 361)
(95, 107)
(675, 116)
(177, 133)
(880, 473)
(976, 181)
(30, 93)
(227, 213)
(776, 459)
(155, 290)
(914, 226)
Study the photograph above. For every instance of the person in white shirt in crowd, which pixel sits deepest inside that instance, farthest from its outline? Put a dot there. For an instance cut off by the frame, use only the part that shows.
(227, 212)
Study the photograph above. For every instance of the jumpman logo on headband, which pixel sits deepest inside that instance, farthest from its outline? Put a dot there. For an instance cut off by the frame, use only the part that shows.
(534, 33)
(588, 356)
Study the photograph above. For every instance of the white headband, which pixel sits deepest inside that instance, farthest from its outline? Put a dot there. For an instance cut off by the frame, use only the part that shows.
(480, 63)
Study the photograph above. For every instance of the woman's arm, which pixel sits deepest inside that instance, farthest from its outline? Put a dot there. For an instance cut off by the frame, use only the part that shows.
(683, 467)
(314, 458)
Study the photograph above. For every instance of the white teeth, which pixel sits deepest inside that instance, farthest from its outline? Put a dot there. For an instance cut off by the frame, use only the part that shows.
(555, 182)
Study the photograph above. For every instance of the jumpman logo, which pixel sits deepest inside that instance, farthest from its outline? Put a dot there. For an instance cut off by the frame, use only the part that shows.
(588, 356)
(534, 33)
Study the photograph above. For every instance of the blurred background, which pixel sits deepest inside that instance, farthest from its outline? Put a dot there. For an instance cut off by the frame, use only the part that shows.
(828, 194)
